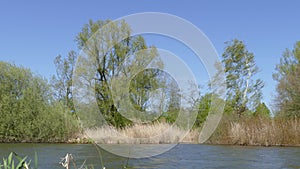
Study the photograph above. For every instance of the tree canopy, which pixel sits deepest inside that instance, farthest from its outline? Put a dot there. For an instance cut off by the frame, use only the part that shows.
(288, 77)
(110, 50)
(244, 91)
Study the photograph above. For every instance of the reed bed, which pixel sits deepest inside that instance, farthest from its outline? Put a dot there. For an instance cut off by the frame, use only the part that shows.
(259, 131)
(156, 133)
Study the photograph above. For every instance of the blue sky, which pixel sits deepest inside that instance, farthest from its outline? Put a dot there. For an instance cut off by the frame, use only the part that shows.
(33, 33)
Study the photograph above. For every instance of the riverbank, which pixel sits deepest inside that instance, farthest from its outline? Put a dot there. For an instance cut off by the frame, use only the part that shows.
(247, 131)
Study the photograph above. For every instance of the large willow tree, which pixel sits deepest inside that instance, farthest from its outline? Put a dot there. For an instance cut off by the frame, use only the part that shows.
(110, 47)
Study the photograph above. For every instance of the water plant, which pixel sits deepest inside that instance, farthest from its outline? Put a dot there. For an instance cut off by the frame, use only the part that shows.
(68, 160)
(14, 161)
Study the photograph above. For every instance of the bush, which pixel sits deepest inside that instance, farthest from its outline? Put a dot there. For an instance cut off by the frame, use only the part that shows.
(27, 110)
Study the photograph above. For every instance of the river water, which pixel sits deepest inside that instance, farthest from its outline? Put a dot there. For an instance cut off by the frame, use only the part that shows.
(182, 156)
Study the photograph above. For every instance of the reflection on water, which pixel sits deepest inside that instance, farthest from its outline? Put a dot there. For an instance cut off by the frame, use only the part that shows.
(181, 156)
(137, 150)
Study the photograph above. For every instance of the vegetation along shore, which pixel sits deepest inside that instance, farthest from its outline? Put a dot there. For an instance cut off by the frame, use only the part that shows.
(36, 109)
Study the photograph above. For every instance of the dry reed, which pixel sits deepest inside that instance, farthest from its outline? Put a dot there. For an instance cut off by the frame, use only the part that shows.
(259, 131)
(156, 133)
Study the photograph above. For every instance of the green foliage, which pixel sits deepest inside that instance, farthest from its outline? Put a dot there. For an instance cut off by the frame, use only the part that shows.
(113, 52)
(27, 110)
(204, 108)
(169, 116)
(62, 82)
(262, 110)
(288, 77)
(14, 161)
(141, 86)
(244, 92)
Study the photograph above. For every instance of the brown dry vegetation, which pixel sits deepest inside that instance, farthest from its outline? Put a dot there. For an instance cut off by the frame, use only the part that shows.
(258, 131)
(156, 133)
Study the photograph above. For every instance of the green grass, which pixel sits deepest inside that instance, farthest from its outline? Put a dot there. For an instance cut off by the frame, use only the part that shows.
(14, 161)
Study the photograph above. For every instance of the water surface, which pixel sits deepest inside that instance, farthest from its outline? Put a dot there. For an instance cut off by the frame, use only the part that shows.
(182, 156)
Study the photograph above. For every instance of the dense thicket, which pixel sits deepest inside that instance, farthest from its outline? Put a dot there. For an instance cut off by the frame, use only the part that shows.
(27, 109)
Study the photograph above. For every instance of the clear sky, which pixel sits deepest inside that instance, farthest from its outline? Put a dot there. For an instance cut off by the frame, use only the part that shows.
(33, 33)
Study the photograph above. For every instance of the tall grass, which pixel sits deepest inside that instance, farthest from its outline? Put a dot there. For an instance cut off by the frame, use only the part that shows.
(156, 133)
(260, 131)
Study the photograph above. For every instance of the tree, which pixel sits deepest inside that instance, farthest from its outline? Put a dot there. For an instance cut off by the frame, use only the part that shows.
(262, 110)
(288, 77)
(62, 82)
(112, 50)
(141, 86)
(244, 92)
(204, 107)
(168, 98)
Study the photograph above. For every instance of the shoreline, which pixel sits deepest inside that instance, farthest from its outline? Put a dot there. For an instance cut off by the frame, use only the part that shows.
(183, 143)
(260, 132)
